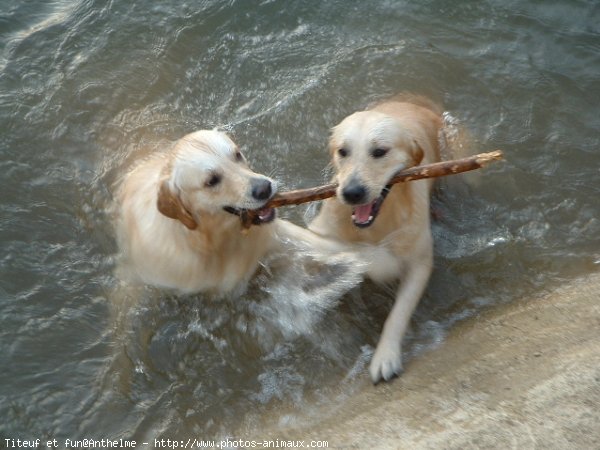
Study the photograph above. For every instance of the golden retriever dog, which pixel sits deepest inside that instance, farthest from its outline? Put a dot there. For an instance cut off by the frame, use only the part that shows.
(367, 148)
(178, 224)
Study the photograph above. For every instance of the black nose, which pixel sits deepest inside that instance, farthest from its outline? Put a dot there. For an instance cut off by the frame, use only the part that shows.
(354, 193)
(261, 189)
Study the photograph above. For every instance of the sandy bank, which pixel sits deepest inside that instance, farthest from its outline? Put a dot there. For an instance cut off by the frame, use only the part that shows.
(525, 375)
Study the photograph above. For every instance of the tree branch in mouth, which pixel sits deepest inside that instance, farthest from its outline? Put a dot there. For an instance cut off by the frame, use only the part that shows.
(439, 169)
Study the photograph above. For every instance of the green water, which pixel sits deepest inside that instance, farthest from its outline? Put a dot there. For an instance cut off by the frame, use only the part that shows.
(86, 87)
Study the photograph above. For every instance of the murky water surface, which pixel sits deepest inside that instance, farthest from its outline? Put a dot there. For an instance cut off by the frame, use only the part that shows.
(88, 86)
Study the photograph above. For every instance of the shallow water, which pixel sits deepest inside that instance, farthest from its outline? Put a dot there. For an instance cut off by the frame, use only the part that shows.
(86, 87)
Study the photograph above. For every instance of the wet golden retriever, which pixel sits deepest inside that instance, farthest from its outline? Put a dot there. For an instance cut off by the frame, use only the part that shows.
(178, 226)
(367, 149)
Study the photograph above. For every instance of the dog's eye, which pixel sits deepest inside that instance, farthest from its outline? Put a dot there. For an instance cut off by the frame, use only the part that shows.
(214, 179)
(379, 152)
(238, 156)
(343, 152)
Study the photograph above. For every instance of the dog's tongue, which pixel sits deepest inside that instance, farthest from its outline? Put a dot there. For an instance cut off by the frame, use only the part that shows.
(363, 212)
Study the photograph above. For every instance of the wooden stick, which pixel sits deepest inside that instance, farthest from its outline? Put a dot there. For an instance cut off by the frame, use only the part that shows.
(439, 169)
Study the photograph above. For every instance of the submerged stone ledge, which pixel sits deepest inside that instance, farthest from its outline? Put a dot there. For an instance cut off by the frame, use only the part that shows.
(524, 375)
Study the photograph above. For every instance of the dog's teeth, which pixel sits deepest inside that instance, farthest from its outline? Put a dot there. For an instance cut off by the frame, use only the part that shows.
(370, 218)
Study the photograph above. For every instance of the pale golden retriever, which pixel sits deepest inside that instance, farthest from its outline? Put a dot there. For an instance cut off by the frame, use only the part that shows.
(367, 149)
(177, 225)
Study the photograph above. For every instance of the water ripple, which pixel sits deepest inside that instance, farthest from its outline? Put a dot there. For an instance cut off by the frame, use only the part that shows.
(89, 87)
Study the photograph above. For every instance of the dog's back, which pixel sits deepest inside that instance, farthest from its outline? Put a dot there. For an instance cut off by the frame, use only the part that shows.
(414, 99)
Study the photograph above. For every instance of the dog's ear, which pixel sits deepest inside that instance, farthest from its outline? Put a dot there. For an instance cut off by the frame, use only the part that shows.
(169, 204)
(417, 153)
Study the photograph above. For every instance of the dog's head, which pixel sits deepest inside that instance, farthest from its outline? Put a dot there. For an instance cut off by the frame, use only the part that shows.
(368, 148)
(207, 174)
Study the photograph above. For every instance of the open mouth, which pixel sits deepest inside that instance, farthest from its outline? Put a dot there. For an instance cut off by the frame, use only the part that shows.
(364, 215)
(262, 215)
(265, 215)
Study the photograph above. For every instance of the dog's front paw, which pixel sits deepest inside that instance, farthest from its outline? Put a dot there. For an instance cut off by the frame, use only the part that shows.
(386, 362)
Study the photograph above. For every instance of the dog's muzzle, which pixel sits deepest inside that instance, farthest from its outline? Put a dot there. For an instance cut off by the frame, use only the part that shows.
(260, 189)
(364, 215)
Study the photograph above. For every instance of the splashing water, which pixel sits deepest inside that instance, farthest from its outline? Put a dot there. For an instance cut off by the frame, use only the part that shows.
(87, 88)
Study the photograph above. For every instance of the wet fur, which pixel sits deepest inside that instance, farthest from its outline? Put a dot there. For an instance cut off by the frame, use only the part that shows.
(409, 127)
(174, 233)
(172, 228)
